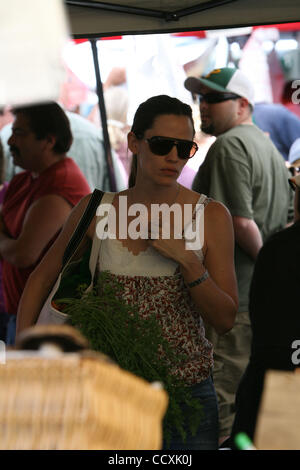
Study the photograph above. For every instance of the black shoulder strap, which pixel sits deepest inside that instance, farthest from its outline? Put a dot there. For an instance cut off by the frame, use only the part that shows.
(82, 226)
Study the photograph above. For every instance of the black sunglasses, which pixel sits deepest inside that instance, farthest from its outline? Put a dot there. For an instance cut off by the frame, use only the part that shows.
(212, 98)
(163, 145)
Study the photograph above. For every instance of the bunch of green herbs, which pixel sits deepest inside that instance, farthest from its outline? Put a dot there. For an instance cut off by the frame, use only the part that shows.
(136, 344)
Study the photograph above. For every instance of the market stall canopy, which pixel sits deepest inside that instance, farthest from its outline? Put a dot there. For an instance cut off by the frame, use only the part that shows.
(94, 18)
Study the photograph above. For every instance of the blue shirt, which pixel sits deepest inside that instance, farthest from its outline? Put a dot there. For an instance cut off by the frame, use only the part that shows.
(282, 125)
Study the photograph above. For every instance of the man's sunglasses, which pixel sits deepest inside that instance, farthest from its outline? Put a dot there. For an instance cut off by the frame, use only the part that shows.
(163, 145)
(212, 98)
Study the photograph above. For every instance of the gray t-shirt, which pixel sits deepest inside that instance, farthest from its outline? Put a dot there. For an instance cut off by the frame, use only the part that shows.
(244, 171)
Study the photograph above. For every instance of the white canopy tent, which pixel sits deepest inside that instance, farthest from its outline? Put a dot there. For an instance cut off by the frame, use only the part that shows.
(40, 60)
(94, 18)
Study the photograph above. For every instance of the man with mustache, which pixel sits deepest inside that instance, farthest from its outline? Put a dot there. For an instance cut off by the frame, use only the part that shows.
(244, 171)
(39, 199)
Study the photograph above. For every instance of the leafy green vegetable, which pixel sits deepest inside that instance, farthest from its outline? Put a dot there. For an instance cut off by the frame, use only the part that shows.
(136, 344)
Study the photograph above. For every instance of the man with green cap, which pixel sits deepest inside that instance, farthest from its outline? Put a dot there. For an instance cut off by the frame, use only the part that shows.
(244, 171)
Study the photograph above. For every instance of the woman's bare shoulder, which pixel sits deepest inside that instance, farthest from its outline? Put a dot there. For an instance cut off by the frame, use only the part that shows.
(212, 209)
(217, 208)
(82, 204)
(76, 214)
(218, 219)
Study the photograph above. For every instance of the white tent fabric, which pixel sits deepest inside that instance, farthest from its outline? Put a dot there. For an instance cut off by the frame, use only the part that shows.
(31, 69)
(93, 17)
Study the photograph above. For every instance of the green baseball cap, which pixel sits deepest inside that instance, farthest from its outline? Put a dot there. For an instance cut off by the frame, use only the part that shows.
(226, 79)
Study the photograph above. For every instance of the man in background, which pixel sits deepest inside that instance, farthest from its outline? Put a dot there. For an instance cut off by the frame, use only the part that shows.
(244, 171)
(38, 200)
(87, 150)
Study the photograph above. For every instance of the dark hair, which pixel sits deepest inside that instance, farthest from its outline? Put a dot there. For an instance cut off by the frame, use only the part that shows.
(49, 119)
(145, 116)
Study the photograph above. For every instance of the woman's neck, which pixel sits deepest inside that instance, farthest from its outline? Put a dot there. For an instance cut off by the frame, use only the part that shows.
(155, 194)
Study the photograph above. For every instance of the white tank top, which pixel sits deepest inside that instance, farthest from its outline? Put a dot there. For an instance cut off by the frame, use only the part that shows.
(117, 259)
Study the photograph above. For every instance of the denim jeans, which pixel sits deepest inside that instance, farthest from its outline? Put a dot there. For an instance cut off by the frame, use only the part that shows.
(207, 434)
(11, 330)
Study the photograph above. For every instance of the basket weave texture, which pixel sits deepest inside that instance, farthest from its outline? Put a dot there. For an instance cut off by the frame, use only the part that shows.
(75, 402)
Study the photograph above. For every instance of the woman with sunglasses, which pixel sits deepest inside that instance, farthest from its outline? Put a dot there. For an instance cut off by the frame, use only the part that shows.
(183, 287)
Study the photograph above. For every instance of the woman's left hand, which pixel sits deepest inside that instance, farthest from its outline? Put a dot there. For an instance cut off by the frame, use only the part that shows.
(164, 242)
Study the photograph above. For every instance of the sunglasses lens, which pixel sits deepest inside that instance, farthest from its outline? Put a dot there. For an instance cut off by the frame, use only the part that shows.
(161, 147)
(212, 98)
(185, 150)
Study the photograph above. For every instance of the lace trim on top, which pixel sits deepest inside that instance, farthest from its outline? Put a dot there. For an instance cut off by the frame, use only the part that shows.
(117, 259)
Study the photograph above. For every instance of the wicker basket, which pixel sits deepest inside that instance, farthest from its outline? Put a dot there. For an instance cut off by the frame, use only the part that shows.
(76, 401)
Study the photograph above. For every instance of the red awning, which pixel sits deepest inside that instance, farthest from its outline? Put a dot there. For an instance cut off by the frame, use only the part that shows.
(202, 34)
(282, 26)
(79, 41)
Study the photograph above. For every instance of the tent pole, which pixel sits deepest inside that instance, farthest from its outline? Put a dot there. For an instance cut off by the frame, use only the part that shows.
(106, 141)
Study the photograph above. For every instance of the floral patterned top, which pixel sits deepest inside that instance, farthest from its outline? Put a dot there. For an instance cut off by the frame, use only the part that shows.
(165, 296)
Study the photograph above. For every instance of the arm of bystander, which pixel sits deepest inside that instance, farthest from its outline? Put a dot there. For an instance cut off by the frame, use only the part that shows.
(43, 220)
(43, 277)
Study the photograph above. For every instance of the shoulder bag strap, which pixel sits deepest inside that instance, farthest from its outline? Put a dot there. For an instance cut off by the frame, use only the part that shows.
(98, 237)
(82, 226)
